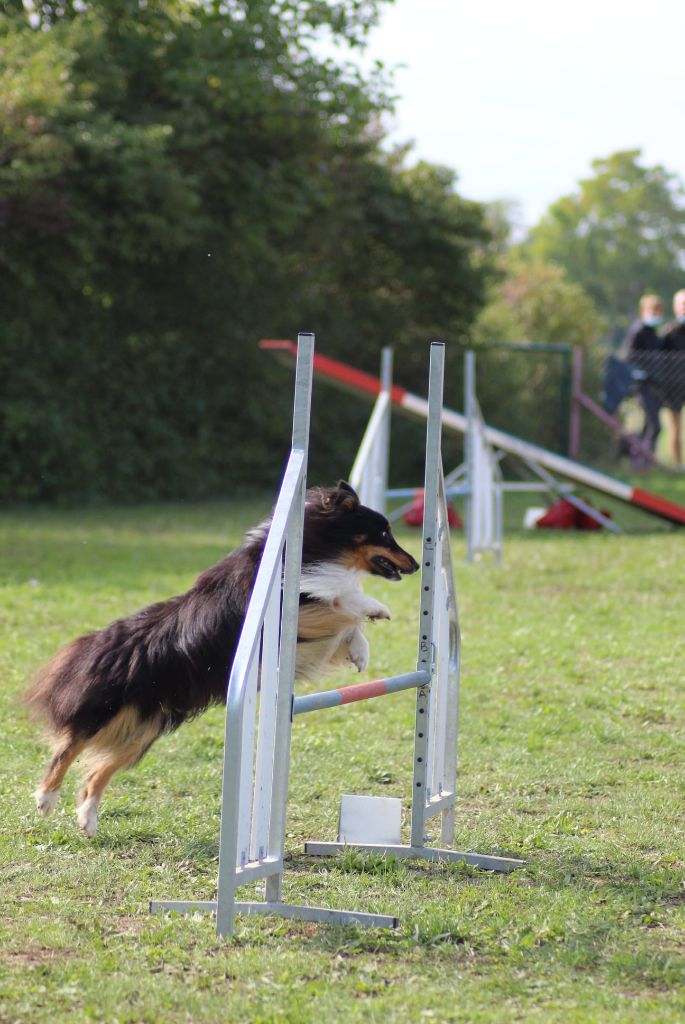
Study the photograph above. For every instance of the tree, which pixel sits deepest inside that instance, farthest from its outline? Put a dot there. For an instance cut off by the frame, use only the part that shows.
(178, 179)
(536, 302)
(620, 235)
(526, 392)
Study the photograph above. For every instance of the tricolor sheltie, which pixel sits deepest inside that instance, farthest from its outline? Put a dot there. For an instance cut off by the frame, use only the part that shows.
(108, 695)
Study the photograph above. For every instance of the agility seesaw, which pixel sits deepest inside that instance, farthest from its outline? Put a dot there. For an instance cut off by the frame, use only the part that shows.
(261, 705)
(540, 460)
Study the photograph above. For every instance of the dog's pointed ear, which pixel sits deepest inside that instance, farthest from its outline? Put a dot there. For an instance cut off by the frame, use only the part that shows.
(345, 497)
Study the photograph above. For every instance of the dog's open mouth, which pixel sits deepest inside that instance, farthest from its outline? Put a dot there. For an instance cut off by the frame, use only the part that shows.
(384, 567)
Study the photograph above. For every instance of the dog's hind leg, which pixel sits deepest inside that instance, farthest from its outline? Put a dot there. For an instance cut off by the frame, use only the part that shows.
(91, 794)
(353, 648)
(119, 745)
(47, 794)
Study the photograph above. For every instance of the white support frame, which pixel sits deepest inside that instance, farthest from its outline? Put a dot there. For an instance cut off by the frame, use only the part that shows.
(260, 699)
(439, 652)
(484, 476)
(259, 709)
(480, 472)
(369, 473)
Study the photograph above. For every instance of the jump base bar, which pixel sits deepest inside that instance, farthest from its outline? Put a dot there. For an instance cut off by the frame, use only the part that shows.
(321, 915)
(476, 860)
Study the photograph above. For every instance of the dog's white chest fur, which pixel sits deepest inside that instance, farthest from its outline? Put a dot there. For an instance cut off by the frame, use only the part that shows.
(330, 623)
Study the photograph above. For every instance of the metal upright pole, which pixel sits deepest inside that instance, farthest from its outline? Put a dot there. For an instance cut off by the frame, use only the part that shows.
(427, 644)
(291, 597)
(470, 503)
(383, 450)
(236, 788)
(574, 444)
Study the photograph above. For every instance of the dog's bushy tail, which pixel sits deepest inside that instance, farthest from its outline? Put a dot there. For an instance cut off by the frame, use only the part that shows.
(53, 693)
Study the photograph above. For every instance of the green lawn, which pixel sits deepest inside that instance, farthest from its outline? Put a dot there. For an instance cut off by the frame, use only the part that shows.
(571, 756)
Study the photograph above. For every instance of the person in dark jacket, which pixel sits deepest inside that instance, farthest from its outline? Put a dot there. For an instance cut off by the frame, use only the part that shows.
(673, 341)
(641, 343)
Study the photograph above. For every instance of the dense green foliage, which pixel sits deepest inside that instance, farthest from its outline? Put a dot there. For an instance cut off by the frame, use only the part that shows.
(622, 234)
(570, 756)
(536, 302)
(177, 180)
(528, 392)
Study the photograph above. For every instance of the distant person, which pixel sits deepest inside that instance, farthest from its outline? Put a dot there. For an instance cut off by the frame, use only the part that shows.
(641, 339)
(673, 340)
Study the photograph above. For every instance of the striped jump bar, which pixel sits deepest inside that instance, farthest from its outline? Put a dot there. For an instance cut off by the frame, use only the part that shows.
(359, 691)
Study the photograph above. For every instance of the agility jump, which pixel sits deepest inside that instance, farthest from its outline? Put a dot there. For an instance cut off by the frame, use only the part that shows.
(540, 460)
(261, 704)
(478, 479)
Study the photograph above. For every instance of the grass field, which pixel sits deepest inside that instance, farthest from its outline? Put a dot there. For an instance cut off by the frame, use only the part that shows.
(571, 756)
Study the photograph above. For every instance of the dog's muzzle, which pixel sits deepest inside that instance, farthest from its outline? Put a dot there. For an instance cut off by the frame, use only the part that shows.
(390, 570)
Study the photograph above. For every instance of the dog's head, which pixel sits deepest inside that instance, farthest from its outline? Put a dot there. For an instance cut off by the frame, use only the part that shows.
(338, 528)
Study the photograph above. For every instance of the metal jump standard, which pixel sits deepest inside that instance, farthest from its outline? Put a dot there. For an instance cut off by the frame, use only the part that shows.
(261, 704)
(478, 479)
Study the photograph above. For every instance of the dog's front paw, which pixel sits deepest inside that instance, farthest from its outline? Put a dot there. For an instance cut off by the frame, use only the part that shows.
(379, 611)
(358, 650)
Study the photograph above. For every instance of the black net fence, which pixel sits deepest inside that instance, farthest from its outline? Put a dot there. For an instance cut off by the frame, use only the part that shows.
(577, 404)
(525, 390)
(643, 396)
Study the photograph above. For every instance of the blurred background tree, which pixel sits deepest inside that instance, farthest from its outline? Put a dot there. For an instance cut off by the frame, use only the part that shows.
(536, 302)
(177, 180)
(622, 234)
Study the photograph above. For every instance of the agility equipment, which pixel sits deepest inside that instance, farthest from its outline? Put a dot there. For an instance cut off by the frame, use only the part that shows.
(261, 705)
(540, 461)
(478, 479)
(369, 473)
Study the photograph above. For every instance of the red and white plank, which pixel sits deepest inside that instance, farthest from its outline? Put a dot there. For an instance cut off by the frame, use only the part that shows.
(360, 383)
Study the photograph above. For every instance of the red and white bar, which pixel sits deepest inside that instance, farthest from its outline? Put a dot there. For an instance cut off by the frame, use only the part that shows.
(358, 382)
(358, 691)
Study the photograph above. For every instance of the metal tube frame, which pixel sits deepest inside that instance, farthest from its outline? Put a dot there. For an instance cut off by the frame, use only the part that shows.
(369, 473)
(483, 507)
(259, 724)
(552, 486)
(258, 728)
(439, 654)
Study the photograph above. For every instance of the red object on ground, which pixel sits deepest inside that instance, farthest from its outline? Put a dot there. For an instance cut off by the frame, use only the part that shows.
(586, 522)
(414, 515)
(564, 516)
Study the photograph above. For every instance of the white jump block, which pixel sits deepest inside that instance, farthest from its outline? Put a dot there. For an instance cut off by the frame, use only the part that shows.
(370, 819)
(532, 515)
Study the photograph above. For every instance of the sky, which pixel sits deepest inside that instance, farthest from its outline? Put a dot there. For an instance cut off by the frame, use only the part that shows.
(520, 97)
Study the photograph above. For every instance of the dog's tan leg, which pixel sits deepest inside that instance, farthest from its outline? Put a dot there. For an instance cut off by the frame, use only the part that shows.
(353, 648)
(47, 794)
(120, 744)
(91, 794)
